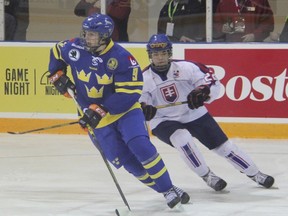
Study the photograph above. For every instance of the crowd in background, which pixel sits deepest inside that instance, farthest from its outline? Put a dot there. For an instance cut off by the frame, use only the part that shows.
(16, 19)
(181, 20)
(118, 10)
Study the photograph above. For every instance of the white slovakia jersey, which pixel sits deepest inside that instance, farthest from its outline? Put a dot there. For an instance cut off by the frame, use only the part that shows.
(182, 78)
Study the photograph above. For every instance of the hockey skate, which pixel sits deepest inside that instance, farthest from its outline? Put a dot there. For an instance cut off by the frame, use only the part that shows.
(172, 198)
(214, 181)
(263, 179)
(183, 195)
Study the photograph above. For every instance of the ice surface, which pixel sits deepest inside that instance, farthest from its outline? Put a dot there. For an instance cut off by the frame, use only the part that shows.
(64, 175)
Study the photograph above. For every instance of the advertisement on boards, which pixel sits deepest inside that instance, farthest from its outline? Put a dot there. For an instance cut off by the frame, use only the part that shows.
(24, 85)
(254, 81)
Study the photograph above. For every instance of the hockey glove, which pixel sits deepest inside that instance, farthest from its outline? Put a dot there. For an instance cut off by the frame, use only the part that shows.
(198, 96)
(92, 116)
(62, 82)
(149, 111)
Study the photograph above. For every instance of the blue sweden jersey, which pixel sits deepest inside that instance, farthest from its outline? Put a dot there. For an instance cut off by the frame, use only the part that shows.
(113, 78)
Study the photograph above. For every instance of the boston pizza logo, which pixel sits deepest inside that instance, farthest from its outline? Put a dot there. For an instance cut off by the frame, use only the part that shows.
(170, 93)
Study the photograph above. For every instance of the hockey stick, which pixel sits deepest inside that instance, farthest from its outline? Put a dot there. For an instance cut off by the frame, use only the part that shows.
(96, 143)
(44, 128)
(172, 104)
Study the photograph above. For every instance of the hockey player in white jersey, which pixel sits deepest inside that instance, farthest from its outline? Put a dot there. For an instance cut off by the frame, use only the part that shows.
(168, 81)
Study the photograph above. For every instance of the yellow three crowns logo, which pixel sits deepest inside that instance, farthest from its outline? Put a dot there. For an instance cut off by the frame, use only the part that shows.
(104, 80)
(101, 80)
(94, 93)
(83, 77)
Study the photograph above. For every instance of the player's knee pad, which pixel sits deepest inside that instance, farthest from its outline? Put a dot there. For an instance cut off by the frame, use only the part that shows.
(225, 149)
(181, 137)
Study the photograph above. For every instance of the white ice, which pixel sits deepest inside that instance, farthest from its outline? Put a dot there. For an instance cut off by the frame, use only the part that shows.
(64, 175)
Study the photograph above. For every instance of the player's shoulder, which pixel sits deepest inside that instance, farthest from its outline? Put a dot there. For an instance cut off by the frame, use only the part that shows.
(121, 58)
(147, 72)
(125, 57)
(182, 63)
(118, 49)
(189, 66)
(70, 43)
(148, 77)
(187, 63)
(147, 69)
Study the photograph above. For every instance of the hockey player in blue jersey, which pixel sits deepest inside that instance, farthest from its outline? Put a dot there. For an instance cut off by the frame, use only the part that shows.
(107, 82)
(169, 81)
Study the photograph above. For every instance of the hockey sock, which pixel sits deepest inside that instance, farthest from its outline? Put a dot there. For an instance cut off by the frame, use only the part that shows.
(134, 167)
(238, 158)
(152, 162)
(148, 181)
(158, 172)
(183, 142)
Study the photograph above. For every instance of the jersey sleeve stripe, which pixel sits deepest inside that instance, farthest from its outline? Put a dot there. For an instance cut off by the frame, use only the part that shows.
(57, 53)
(121, 84)
(128, 91)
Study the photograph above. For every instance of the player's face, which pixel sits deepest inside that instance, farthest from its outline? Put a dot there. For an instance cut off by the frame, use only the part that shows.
(160, 58)
(92, 39)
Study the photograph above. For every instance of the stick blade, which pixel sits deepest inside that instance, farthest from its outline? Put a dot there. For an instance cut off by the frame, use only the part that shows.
(123, 212)
(10, 132)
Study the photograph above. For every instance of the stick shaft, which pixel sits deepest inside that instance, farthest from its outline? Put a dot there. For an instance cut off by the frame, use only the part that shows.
(96, 143)
(44, 128)
(172, 104)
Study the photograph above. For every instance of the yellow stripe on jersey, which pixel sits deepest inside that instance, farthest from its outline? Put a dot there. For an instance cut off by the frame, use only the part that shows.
(121, 84)
(107, 48)
(160, 173)
(109, 119)
(144, 177)
(149, 184)
(56, 52)
(152, 163)
(128, 91)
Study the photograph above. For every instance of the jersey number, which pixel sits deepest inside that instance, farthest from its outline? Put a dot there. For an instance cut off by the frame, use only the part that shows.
(135, 74)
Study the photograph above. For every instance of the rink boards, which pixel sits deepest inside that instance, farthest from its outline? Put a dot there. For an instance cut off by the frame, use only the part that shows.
(252, 101)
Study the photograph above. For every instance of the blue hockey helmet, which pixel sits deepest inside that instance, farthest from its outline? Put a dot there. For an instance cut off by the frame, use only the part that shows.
(100, 23)
(159, 42)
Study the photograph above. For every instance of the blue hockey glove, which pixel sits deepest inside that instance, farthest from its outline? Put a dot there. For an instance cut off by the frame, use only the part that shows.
(92, 116)
(149, 111)
(62, 82)
(198, 96)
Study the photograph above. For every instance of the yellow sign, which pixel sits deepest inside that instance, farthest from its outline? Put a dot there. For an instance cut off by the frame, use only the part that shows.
(24, 86)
